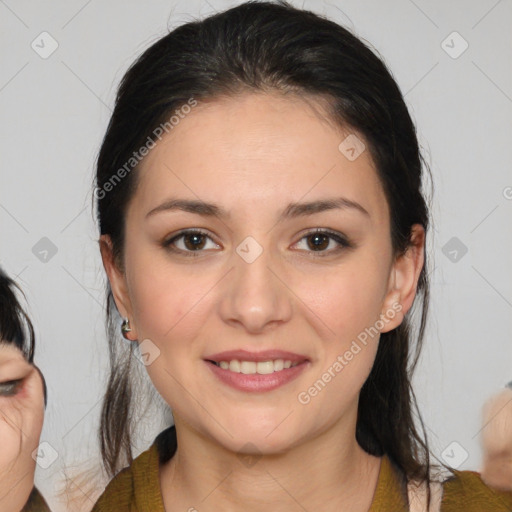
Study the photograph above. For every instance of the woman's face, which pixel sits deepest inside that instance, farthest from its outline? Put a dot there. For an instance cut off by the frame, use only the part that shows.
(258, 278)
(21, 421)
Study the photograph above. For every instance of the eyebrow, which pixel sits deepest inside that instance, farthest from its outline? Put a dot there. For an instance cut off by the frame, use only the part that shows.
(291, 211)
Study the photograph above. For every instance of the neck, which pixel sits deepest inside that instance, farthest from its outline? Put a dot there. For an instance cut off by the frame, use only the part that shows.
(331, 469)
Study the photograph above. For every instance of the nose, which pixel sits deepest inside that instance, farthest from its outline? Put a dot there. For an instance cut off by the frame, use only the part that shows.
(256, 296)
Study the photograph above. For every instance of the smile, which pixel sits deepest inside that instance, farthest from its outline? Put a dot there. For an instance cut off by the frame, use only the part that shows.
(252, 376)
(252, 367)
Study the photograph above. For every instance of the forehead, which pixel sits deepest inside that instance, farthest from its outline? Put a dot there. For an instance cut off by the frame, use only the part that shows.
(261, 149)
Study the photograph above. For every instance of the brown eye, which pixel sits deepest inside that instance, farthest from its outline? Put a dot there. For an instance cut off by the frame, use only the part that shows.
(194, 241)
(318, 241)
(190, 240)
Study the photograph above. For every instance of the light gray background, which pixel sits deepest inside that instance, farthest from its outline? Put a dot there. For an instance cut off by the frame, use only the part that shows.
(54, 114)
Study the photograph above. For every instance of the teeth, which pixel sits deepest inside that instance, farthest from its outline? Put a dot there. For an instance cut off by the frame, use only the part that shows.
(252, 367)
(234, 366)
(248, 367)
(278, 365)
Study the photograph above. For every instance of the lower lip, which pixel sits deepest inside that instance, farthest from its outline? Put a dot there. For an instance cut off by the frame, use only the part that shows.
(256, 382)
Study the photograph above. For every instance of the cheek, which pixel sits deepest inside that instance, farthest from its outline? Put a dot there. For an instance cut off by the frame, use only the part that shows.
(350, 304)
(350, 301)
(165, 299)
(10, 442)
(20, 414)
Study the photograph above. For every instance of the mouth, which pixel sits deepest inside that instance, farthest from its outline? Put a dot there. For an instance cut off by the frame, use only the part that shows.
(253, 367)
(262, 363)
(257, 371)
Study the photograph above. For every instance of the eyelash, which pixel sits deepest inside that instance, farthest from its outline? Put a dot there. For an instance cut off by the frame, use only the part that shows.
(10, 388)
(342, 241)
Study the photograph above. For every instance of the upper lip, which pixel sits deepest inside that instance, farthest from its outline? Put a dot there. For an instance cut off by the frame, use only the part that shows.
(265, 355)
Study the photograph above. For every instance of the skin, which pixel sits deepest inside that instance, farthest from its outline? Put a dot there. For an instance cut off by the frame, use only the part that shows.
(253, 155)
(497, 441)
(21, 422)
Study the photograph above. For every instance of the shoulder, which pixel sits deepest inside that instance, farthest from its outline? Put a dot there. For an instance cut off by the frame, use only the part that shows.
(118, 495)
(465, 490)
(137, 487)
(131, 488)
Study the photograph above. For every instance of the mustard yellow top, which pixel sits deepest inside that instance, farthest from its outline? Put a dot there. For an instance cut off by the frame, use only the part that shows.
(137, 488)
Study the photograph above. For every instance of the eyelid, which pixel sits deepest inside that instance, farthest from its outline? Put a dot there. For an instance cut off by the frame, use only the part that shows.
(14, 369)
(339, 238)
(10, 387)
(184, 232)
(342, 241)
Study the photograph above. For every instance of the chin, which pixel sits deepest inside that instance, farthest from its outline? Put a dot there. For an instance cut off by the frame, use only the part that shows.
(259, 440)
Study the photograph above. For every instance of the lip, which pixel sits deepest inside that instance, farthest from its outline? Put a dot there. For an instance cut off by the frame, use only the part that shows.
(256, 382)
(265, 355)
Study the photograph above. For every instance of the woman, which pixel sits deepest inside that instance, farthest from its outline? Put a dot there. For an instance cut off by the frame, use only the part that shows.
(22, 404)
(262, 220)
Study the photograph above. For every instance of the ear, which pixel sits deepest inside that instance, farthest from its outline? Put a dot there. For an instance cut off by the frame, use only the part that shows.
(117, 279)
(403, 280)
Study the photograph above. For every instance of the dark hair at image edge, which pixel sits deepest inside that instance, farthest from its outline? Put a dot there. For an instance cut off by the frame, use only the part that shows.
(15, 325)
(275, 47)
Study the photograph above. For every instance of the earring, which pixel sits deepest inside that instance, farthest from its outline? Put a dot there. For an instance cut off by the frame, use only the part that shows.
(125, 328)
